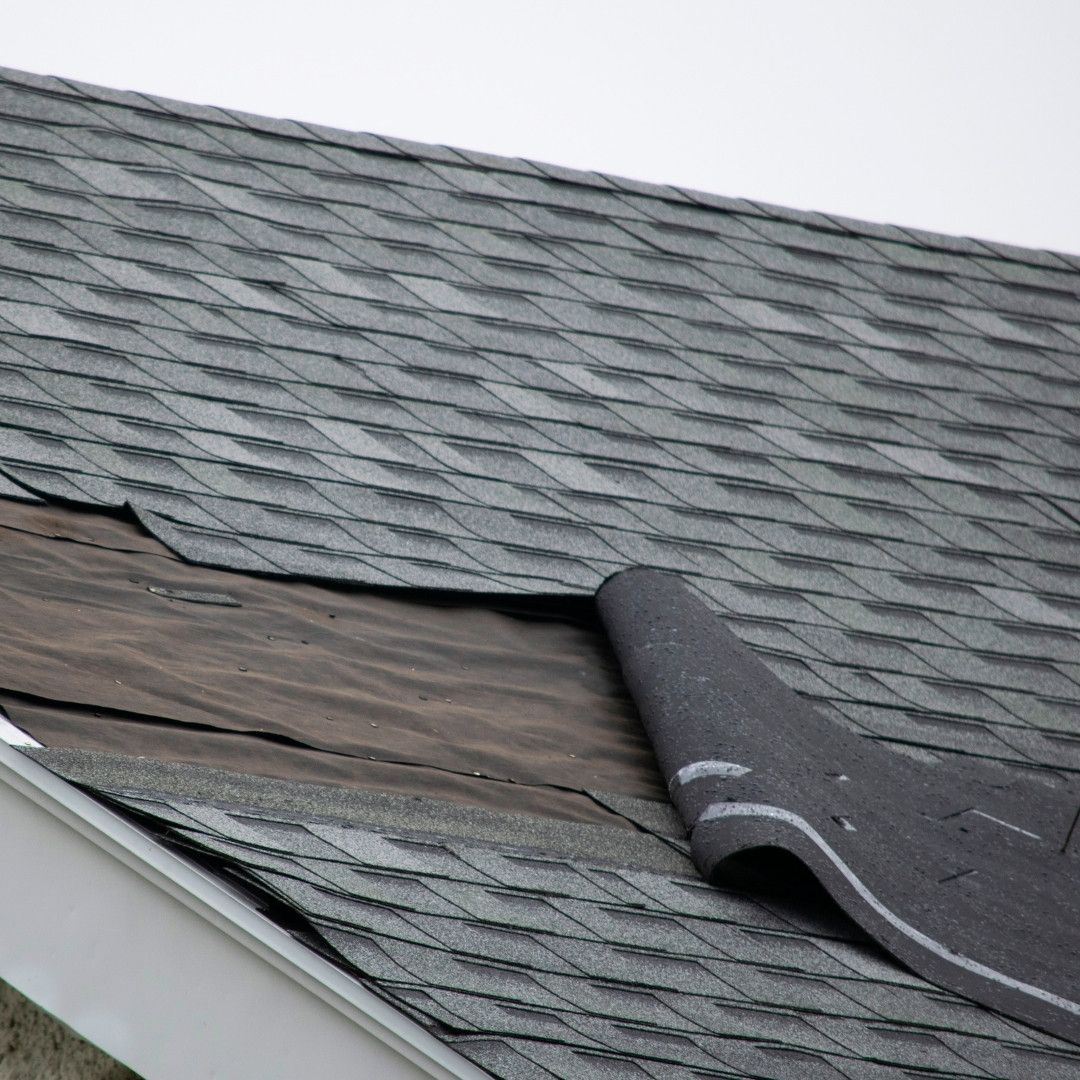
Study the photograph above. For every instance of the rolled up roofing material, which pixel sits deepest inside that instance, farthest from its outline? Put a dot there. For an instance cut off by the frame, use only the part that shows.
(963, 871)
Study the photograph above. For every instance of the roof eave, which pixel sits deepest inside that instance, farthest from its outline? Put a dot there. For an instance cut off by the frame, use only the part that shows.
(165, 968)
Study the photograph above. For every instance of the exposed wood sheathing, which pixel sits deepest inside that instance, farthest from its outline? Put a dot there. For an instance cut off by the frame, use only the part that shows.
(300, 681)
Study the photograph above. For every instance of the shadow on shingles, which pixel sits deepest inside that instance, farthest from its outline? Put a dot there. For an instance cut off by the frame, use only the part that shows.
(787, 887)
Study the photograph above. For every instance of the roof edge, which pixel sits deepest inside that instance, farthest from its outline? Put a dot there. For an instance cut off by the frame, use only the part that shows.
(117, 775)
(434, 152)
(242, 998)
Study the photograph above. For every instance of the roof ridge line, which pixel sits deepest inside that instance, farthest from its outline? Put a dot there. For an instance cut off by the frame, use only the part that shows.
(441, 154)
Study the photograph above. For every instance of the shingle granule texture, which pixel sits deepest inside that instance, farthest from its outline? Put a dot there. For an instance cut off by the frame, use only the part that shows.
(306, 352)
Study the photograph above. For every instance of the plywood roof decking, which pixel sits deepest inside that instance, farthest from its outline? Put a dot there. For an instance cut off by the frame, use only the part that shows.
(295, 680)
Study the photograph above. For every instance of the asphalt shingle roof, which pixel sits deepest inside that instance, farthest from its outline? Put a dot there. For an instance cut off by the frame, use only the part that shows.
(308, 352)
(542, 949)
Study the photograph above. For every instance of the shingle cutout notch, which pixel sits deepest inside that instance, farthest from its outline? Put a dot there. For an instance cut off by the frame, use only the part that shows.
(962, 871)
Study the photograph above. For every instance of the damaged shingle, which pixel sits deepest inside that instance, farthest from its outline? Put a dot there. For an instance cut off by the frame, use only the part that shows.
(698, 991)
(856, 441)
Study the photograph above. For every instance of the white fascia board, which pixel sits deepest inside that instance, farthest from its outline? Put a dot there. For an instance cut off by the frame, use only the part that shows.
(167, 969)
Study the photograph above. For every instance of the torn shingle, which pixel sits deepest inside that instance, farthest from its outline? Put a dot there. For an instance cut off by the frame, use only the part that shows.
(945, 880)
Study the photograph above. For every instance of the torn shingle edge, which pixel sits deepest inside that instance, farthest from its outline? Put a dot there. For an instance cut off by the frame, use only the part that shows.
(956, 867)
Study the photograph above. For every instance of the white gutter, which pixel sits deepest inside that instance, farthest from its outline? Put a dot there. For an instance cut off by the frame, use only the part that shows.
(165, 968)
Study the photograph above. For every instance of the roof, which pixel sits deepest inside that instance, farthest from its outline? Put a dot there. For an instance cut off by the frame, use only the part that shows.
(956, 869)
(310, 353)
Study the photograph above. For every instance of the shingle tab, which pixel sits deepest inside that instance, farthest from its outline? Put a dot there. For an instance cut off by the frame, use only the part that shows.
(670, 978)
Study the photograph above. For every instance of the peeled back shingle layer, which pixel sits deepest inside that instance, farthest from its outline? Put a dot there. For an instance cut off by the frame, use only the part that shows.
(961, 871)
(344, 357)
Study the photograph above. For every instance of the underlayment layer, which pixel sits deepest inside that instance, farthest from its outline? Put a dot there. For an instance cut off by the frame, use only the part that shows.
(502, 705)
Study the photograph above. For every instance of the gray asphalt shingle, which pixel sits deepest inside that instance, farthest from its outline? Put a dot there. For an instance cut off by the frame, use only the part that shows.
(856, 440)
(549, 959)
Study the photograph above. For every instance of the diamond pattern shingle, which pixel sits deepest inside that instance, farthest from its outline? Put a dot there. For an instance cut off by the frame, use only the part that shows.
(304, 351)
(590, 969)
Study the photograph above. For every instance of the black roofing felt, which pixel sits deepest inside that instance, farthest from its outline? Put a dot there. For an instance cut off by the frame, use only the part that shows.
(306, 352)
(966, 873)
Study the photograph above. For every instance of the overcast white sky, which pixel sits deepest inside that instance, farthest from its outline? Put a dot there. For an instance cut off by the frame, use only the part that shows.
(956, 115)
